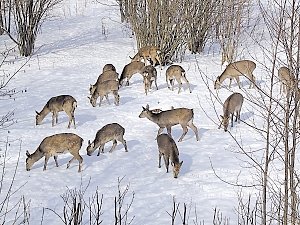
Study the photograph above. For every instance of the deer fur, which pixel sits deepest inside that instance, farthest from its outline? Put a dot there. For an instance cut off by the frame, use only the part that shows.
(233, 104)
(103, 89)
(110, 132)
(148, 52)
(106, 75)
(108, 67)
(235, 70)
(149, 74)
(54, 145)
(286, 79)
(129, 70)
(57, 104)
(168, 149)
(169, 118)
(176, 72)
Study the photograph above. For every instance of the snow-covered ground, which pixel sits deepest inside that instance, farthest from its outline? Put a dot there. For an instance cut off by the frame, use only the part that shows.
(71, 52)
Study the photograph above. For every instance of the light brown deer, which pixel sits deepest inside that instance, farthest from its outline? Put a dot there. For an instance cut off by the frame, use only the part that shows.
(103, 89)
(169, 118)
(54, 145)
(129, 70)
(106, 75)
(148, 52)
(233, 104)
(57, 104)
(149, 74)
(110, 132)
(235, 70)
(286, 79)
(168, 149)
(176, 72)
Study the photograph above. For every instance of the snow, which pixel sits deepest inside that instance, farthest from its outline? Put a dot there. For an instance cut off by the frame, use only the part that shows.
(71, 52)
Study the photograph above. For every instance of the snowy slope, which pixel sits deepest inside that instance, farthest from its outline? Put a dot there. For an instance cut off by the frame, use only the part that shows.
(71, 53)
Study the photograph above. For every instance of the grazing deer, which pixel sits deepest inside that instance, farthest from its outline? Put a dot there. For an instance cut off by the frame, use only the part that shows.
(168, 149)
(233, 104)
(235, 70)
(57, 104)
(129, 70)
(54, 145)
(110, 132)
(149, 74)
(109, 67)
(176, 72)
(106, 75)
(148, 52)
(169, 118)
(103, 89)
(286, 79)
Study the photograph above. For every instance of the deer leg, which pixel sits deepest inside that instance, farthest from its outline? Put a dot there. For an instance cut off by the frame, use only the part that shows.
(113, 146)
(237, 79)
(106, 97)
(55, 159)
(179, 84)
(79, 158)
(101, 149)
(194, 128)
(169, 131)
(232, 119)
(158, 59)
(159, 159)
(166, 159)
(185, 130)
(46, 161)
(53, 118)
(121, 139)
(70, 118)
(117, 97)
(187, 82)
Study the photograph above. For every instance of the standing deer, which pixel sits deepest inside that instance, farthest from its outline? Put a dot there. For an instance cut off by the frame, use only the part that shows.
(57, 104)
(110, 132)
(233, 104)
(286, 78)
(169, 118)
(148, 52)
(176, 72)
(235, 70)
(149, 74)
(106, 75)
(54, 145)
(129, 70)
(103, 89)
(168, 149)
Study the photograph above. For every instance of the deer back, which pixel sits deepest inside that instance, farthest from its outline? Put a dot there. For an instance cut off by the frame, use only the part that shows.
(245, 67)
(285, 76)
(108, 132)
(61, 103)
(174, 71)
(168, 147)
(108, 67)
(130, 69)
(233, 103)
(105, 87)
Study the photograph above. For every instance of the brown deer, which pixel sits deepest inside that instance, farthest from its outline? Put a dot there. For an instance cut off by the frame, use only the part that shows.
(169, 118)
(233, 104)
(108, 67)
(103, 89)
(235, 70)
(54, 145)
(149, 74)
(148, 52)
(110, 132)
(106, 75)
(168, 149)
(129, 70)
(176, 72)
(286, 78)
(57, 104)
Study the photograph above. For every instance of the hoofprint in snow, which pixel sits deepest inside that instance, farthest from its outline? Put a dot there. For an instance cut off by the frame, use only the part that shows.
(71, 52)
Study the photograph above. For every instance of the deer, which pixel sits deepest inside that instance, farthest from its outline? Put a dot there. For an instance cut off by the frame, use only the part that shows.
(168, 149)
(149, 75)
(129, 70)
(232, 104)
(235, 70)
(54, 145)
(106, 75)
(286, 79)
(169, 118)
(103, 89)
(176, 72)
(57, 104)
(110, 132)
(148, 52)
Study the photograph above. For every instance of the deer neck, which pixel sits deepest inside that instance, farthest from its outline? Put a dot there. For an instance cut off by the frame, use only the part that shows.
(37, 155)
(223, 76)
(154, 117)
(44, 112)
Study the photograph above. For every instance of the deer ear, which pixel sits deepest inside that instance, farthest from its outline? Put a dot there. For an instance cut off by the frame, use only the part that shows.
(37, 112)
(181, 163)
(222, 116)
(27, 154)
(147, 106)
(89, 142)
(172, 164)
(89, 97)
